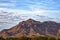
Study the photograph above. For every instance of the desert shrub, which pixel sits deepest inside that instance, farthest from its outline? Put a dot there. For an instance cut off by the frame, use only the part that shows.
(12, 38)
(40, 38)
(52, 38)
(25, 38)
(2, 38)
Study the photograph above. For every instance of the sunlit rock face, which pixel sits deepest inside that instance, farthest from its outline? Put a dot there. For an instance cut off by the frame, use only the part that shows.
(32, 28)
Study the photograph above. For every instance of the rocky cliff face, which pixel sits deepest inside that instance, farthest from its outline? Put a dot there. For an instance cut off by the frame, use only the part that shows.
(32, 28)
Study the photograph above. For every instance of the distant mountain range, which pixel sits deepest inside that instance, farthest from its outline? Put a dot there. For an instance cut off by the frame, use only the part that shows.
(32, 28)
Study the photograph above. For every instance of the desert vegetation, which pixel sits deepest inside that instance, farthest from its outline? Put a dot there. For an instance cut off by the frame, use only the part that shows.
(27, 38)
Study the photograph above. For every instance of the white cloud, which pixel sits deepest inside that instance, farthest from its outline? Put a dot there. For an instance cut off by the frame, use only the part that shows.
(8, 3)
(35, 11)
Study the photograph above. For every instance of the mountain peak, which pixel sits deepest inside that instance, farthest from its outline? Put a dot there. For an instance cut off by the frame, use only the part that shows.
(31, 20)
(32, 28)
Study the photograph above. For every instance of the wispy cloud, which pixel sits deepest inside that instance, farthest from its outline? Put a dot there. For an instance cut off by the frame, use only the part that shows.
(31, 8)
(35, 11)
(7, 3)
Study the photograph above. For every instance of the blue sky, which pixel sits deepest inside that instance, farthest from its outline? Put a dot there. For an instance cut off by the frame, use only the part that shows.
(24, 4)
(45, 6)
(12, 10)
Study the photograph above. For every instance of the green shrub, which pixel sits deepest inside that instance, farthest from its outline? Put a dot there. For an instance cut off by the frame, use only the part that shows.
(40, 38)
(21, 38)
(12, 38)
(25, 38)
(52, 38)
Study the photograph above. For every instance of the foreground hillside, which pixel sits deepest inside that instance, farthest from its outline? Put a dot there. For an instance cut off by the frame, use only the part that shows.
(31, 28)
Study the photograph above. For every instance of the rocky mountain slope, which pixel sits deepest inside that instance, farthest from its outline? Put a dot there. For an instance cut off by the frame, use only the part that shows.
(32, 28)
